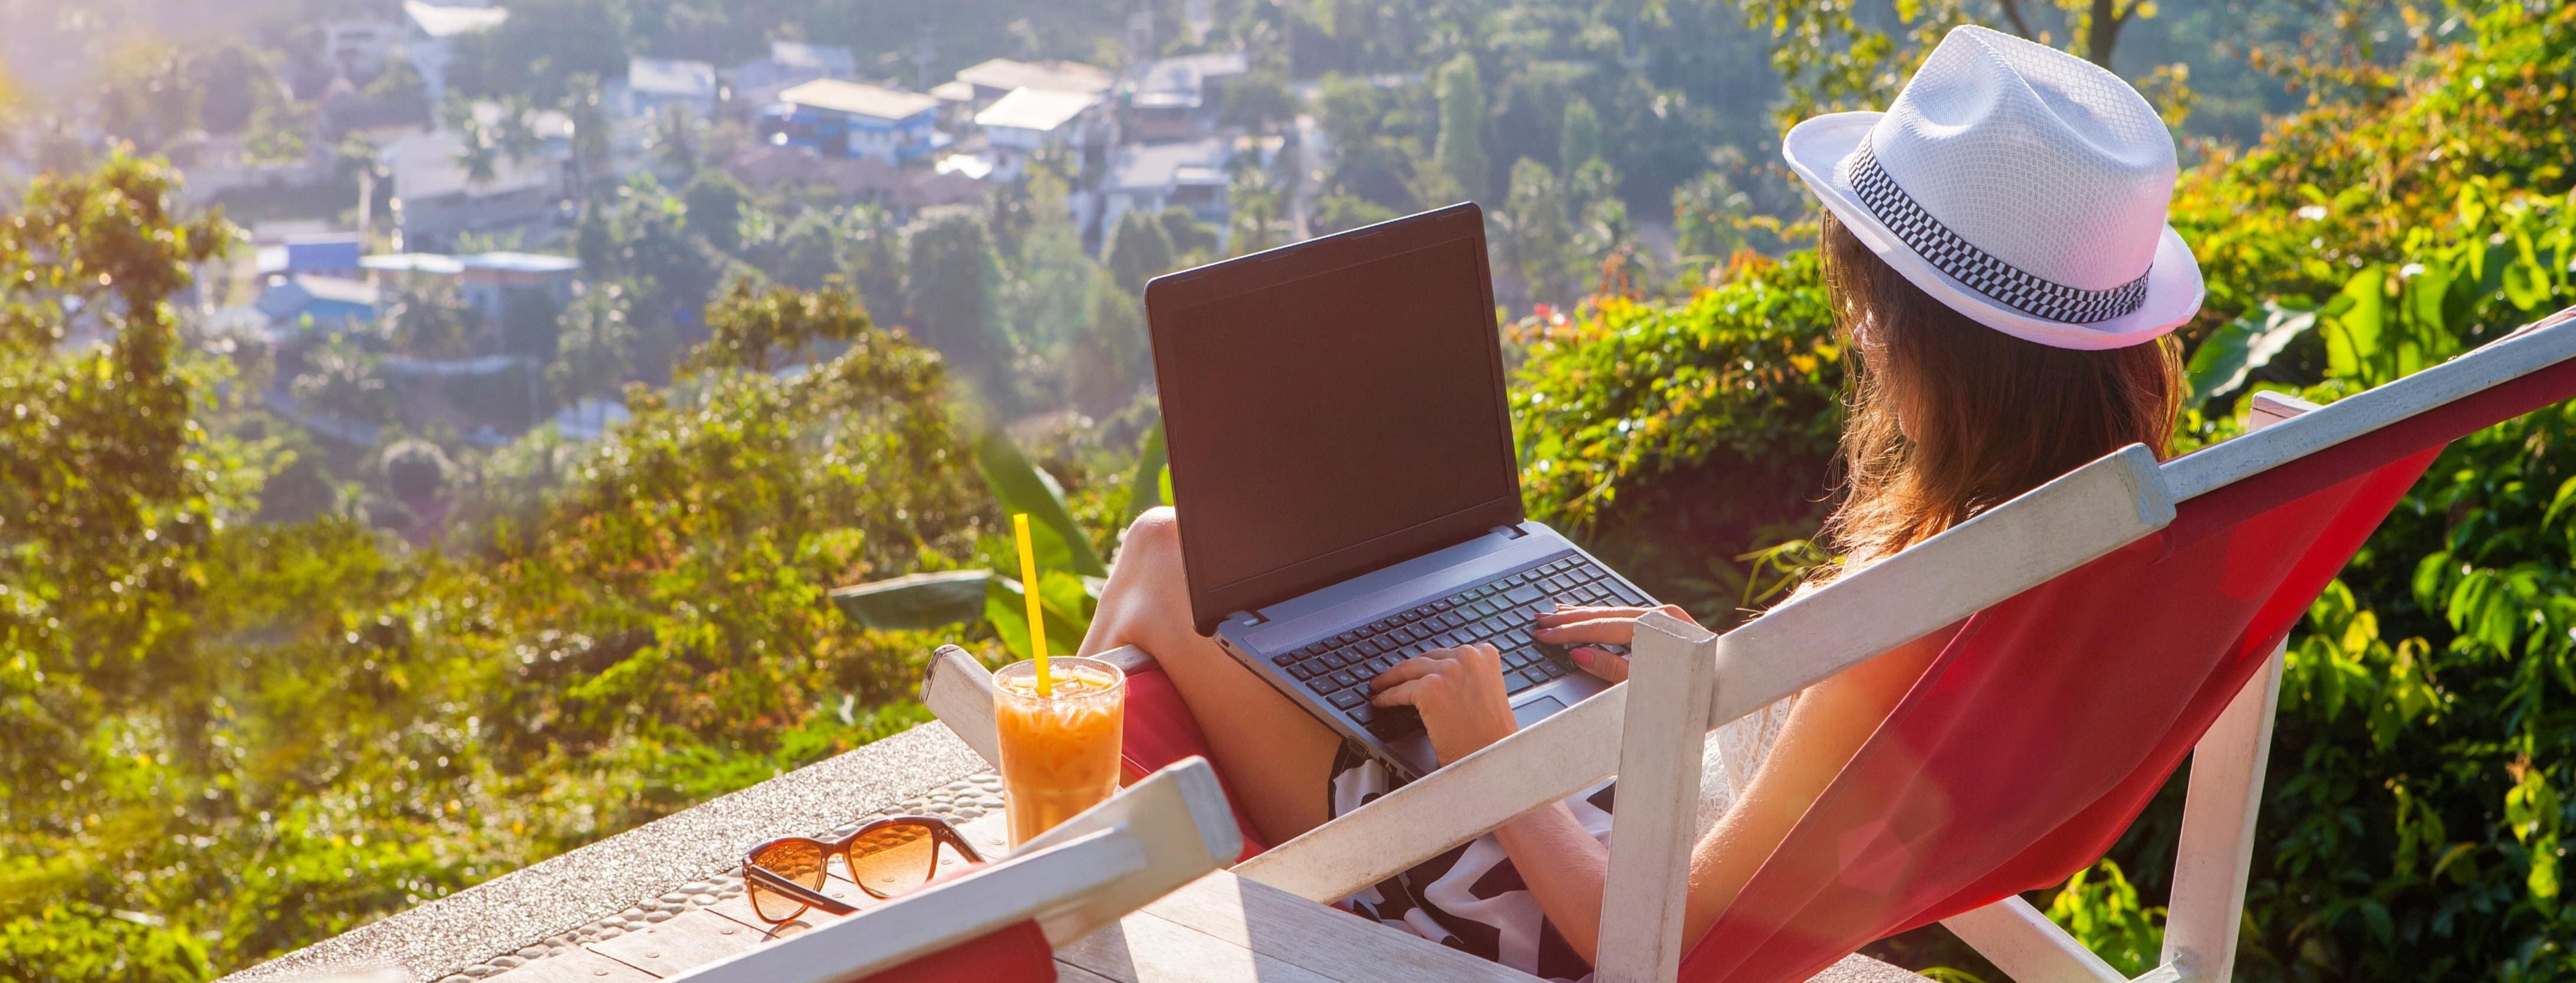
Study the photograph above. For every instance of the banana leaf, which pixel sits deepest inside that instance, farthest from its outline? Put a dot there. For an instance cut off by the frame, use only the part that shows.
(916, 602)
(1147, 488)
(2234, 351)
(1024, 487)
(1064, 599)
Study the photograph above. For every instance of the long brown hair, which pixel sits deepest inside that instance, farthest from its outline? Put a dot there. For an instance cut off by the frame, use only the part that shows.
(1950, 417)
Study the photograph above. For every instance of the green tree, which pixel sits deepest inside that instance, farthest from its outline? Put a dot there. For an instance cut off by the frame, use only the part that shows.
(1140, 250)
(1259, 101)
(1461, 149)
(1580, 142)
(595, 350)
(1540, 233)
(714, 204)
(955, 276)
(540, 48)
(1192, 240)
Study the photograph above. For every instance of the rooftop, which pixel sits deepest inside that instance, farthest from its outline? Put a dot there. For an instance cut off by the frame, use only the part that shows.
(953, 91)
(859, 99)
(1166, 165)
(671, 77)
(429, 263)
(1182, 82)
(509, 262)
(292, 295)
(442, 21)
(1059, 76)
(1036, 109)
(829, 59)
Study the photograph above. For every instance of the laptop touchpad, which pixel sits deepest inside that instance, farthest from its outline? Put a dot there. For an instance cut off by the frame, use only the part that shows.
(1536, 710)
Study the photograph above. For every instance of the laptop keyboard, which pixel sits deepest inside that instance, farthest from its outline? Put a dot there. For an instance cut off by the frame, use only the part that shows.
(1501, 613)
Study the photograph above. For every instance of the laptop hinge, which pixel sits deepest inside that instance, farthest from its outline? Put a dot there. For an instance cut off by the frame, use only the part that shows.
(1512, 531)
(1249, 617)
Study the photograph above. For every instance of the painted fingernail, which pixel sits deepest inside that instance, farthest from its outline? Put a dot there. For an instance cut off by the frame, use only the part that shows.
(1582, 657)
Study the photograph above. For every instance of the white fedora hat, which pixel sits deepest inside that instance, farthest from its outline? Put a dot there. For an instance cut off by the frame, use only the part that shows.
(2020, 185)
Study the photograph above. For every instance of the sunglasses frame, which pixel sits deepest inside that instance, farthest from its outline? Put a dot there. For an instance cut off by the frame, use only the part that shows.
(805, 897)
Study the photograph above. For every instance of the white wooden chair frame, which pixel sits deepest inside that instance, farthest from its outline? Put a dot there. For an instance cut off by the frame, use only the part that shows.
(1149, 839)
(1684, 682)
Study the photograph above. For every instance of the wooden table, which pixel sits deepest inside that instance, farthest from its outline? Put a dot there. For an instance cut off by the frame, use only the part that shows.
(1217, 929)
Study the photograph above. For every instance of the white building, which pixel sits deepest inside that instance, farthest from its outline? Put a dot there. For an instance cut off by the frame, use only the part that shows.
(435, 197)
(1177, 98)
(430, 32)
(654, 83)
(994, 79)
(1151, 177)
(790, 63)
(358, 48)
(1028, 120)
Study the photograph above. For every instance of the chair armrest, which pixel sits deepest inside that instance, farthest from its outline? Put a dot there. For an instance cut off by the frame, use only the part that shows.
(1147, 840)
(959, 691)
(2080, 516)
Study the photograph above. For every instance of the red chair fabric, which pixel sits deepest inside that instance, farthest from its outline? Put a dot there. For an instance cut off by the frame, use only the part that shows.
(1159, 731)
(2050, 720)
(1018, 954)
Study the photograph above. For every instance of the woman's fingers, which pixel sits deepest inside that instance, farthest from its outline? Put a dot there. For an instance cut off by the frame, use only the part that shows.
(1611, 668)
(1409, 669)
(1562, 616)
(1607, 631)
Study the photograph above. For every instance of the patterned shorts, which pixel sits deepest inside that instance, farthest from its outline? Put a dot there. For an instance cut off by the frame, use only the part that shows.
(1470, 898)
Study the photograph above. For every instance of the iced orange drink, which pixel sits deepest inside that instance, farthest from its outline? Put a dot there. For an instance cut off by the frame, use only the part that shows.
(1059, 751)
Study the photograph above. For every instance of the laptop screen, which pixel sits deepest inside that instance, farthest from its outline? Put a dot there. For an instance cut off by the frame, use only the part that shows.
(1334, 408)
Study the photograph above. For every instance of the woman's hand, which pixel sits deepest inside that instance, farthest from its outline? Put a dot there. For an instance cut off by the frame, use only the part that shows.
(1459, 693)
(1581, 630)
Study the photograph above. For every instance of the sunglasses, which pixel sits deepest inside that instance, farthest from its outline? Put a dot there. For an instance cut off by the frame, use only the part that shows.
(886, 858)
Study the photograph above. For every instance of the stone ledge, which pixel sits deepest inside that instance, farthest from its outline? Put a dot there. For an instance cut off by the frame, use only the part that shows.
(632, 876)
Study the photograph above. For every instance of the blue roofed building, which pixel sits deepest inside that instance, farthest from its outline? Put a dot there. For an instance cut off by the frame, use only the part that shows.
(853, 119)
(322, 303)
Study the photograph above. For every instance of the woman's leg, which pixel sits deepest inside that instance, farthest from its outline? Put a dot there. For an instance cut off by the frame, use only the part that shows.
(1277, 757)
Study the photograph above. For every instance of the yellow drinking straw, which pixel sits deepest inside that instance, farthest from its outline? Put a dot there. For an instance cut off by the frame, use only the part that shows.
(1029, 582)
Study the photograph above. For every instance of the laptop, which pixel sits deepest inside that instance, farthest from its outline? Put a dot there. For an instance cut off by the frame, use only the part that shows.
(1341, 458)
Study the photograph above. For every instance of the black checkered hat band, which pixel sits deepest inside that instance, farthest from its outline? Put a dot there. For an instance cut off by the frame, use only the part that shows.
(1980, 270)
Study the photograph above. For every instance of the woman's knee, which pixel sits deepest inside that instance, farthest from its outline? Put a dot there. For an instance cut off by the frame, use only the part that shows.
(1155, 533)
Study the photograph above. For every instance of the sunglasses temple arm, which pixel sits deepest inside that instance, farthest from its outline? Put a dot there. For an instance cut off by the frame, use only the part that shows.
(805, 895)
(958, 841)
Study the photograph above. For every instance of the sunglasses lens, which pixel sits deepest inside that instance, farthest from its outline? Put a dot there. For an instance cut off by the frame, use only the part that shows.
(797, 860)
(895, 859)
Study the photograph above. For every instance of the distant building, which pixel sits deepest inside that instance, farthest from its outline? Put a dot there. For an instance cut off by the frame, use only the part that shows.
(485, 280)
(436, 198)
(790, 63)
(322, 254)
(358, 48)
(655, 83)
(324, 303)
(1028, 120)
(430, 32)
(994, 79)
(1151, 177)
(901, 190)
(1179, 98)
(853, 119)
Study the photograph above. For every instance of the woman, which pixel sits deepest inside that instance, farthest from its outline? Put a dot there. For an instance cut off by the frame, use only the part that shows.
(1996, 255)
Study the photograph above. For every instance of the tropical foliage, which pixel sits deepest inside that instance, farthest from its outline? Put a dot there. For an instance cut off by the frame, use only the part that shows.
(2418, 802)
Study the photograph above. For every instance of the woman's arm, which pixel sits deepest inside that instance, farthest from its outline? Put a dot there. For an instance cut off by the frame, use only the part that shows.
(1566, 868)
(1825, 729)
(1460, 695)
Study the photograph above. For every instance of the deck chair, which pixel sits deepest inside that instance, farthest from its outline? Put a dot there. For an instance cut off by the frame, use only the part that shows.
(1000, 922)
(2110, 622)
